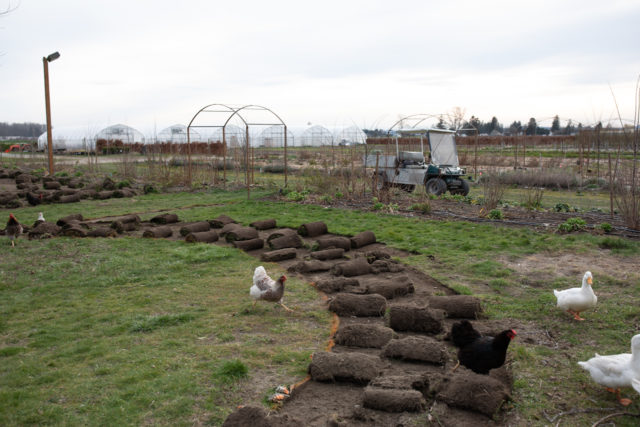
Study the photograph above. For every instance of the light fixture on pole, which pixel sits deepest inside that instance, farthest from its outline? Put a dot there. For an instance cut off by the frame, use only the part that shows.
(45, 63)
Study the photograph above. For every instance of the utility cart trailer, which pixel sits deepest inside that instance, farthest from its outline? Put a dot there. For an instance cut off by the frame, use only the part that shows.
(406, 169)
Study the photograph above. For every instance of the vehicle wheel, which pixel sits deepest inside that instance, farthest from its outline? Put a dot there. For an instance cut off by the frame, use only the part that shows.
(435, 186)
(464, 188)
(380, 183)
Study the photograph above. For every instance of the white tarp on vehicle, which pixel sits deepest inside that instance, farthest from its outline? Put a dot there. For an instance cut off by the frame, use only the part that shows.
(443, 148)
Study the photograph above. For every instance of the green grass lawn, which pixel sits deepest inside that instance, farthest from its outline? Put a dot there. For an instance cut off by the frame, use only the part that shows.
(139, 331)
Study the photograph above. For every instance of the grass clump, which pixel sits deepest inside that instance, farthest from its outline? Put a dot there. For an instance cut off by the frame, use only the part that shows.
(231, 370)
(614, 243)
(423, 207)
(151, 323)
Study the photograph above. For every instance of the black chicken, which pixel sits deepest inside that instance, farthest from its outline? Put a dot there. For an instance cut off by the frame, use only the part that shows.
(34, 199)
(478, 353)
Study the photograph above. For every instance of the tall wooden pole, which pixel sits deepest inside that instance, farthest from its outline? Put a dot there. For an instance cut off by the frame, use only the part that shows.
(47, 102)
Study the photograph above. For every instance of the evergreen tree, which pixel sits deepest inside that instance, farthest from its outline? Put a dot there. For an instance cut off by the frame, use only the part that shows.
(531, 127)
(516, 127)
(555, 125)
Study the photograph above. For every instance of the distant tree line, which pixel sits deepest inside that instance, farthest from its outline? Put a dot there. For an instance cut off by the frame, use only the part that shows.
(27, 130)
(494, 126)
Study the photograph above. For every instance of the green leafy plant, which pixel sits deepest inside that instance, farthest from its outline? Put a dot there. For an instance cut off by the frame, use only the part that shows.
(606, 227)
(377, 205)
(495, 214)
(562, 207)
(124, 183)
(298, 196)
(572, 224)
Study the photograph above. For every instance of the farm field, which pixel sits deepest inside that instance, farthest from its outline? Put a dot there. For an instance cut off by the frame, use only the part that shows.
(142, 331)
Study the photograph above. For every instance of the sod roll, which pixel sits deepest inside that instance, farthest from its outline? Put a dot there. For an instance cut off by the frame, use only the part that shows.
(393, 400)
(457, 306)
(419, 349)
(363, 239)
(312, 229)
(64, 220)
(475, 392)
(165, 219)
(358, 305)
(356, 267)
(157, 232)
(279, 255)
(221, 221)
(249, 245)
(241, 233)
(415, 319)
(333, 242)
(102, 232)
(328, 254)
(310, 266)
(289, 240)
(364, 335)
(358, 368)
(202, 237)
(336, 284)
(196, 227)
(264, 224)
(390, 289)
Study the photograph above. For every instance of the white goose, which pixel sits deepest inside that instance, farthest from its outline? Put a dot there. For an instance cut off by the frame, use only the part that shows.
(575, 300)
(617, 370)
(636, 384)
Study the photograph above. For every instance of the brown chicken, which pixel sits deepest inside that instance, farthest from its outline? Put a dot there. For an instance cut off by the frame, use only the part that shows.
(13, 229)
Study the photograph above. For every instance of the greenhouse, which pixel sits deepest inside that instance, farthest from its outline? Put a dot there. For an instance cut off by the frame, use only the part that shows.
(177, 134)
(123, 133)
(70, 139)
(273, 136)
(350, 135)
(315, 136)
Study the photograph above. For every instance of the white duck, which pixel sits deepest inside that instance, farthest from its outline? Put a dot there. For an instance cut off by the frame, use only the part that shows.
(617, 370)
(575, 300)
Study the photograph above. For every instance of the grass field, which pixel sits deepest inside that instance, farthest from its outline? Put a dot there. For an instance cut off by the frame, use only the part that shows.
(137, 331)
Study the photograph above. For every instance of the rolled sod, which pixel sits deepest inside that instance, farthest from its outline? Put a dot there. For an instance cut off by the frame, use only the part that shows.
(312, 229)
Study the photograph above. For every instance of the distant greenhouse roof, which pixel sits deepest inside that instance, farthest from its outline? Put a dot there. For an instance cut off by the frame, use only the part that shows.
(120, 132)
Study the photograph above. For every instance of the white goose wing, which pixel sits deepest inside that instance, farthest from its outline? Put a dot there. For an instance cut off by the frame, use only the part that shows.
(636, 384)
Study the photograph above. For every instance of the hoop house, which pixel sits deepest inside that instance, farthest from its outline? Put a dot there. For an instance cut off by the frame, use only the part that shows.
(119, 132)
(273, 136)
(74, 139)
(352, 134)
(177, 134)
(316, 136)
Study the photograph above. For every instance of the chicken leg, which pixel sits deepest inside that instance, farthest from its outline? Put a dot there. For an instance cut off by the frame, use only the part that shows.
(284, 306)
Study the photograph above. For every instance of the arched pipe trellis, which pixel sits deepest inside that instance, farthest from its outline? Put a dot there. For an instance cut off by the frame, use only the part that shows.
(240, 112)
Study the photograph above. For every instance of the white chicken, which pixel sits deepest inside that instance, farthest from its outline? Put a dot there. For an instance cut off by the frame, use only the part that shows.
(576, 300)
(265, 288)
(617, 370)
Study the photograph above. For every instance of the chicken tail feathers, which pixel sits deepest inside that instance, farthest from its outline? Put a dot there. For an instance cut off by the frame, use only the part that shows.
(463, 333)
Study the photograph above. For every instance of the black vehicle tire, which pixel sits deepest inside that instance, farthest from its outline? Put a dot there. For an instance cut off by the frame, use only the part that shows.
(435, 186)
(464, 188)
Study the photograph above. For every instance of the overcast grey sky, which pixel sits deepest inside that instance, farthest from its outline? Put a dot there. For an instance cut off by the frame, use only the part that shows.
(151, 63)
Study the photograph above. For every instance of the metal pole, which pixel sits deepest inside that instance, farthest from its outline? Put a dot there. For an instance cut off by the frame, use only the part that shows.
(224, 157)
(246, 160)
(285, 156)
(47, 102)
